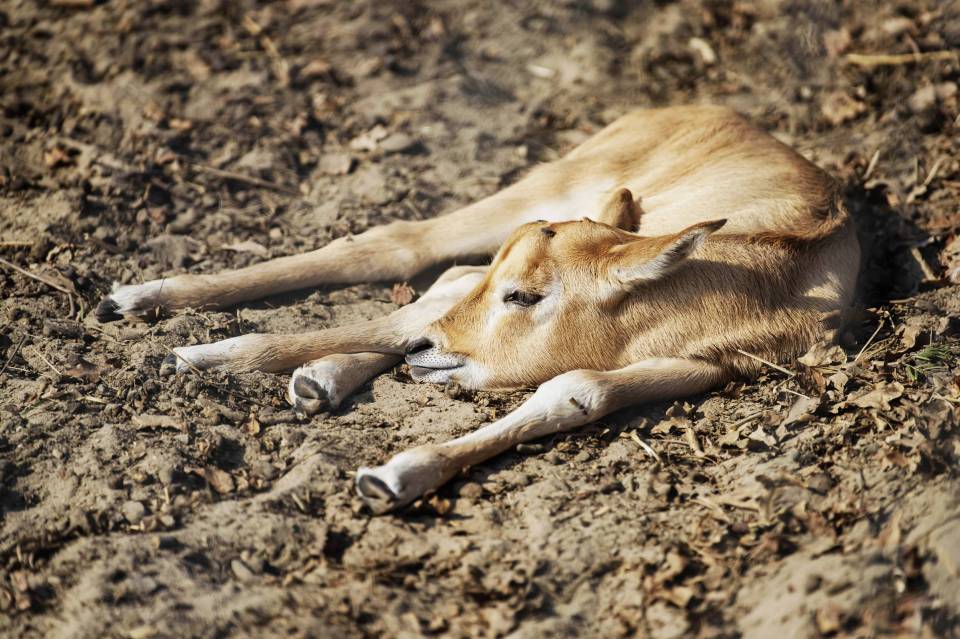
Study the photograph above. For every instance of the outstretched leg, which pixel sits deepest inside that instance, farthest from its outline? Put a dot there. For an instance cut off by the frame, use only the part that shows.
(388, 335)
(324, 383)
(563, 403)
(397, 251)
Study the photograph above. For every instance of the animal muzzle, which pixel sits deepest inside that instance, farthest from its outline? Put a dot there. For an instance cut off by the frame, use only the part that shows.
(429, 363)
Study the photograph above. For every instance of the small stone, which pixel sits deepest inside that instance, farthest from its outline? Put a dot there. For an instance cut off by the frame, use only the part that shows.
(220, 480)
(336, 164)
(923, 99)
(397, 143)
(241, 570)
(133, 511)
(471, 490)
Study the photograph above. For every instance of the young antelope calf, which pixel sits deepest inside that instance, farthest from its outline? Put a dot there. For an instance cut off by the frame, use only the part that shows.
(641, 266)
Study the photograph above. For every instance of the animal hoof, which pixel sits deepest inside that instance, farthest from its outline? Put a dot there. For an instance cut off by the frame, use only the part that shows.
(107, 311)
(308, 396)
(168, 366)
(133, 299)
(375, 492)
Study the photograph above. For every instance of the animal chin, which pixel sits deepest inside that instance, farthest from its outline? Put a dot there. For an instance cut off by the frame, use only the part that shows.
(433, 375)
(434, 365)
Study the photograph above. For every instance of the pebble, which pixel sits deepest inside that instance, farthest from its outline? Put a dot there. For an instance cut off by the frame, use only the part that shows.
(397, 143)
(471, 490)
(133, 511)
(240, 569)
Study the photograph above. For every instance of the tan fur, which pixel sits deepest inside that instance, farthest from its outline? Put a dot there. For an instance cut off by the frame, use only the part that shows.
(647, 263)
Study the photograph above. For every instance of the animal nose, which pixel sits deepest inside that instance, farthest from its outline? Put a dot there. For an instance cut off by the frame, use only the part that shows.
(419, 346)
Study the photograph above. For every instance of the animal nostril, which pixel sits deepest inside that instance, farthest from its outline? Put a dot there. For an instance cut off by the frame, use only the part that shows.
(419, 346)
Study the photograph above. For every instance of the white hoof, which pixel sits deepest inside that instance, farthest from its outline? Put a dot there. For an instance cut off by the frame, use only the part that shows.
(406, 477)
(314, 389)
(135, 299)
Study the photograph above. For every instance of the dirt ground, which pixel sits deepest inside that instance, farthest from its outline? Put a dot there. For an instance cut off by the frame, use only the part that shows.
(139, 139)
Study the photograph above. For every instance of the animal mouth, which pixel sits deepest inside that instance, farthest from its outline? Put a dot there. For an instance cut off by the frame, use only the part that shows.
(433, 365)
(427, 367)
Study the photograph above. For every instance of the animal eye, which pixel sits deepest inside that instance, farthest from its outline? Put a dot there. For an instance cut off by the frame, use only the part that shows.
(522, 298)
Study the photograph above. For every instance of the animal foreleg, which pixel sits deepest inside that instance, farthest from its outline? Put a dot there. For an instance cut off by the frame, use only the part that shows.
(565, 402)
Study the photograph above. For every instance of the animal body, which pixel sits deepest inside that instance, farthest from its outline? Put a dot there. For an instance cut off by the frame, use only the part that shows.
(666, 255)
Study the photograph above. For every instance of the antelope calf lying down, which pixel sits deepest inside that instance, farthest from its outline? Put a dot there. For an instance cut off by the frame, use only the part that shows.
(641, 266)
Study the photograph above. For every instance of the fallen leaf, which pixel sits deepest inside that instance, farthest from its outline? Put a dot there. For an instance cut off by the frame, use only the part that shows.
(839, 381)
(148, 420)
(83, 370)
(801, 411)
(336, 164)
(57, 157)
(402, 294)
(368, 141)
(761, 436)
(880, 397)
(838, 107)
(823, 354)
(220, 480)
(252, 426)
(248, 246)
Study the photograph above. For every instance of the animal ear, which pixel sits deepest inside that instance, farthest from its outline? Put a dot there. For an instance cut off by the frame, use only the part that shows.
(650, 258)
(621, 211)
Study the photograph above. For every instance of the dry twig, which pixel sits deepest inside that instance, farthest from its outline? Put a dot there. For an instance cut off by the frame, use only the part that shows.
(13, 353)
(783, 370)
(42, 279)
(869, 60)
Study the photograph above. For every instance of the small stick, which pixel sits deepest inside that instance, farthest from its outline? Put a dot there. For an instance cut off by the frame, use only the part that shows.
(12, 355)
(869, 341)
(13, 244)
(248, 179)
(645, 446)
(183, 359)
(871, 165)
(207, 381)
(34, 276)
(749, 418)
(48, 363)
(927, 271)
(881, 59)
(40, 278)
(770, 364)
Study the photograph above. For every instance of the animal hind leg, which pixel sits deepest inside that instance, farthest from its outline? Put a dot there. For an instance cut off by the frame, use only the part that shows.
(561, 190)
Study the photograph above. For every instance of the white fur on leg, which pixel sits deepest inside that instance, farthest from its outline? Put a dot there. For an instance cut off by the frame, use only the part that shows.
(216, 354)
(564, 402)
(133, 299)
(404, 478)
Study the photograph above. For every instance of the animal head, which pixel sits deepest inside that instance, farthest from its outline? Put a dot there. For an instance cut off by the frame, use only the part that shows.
(551, 299)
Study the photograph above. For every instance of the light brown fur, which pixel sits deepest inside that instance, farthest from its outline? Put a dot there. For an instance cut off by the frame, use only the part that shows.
(740, 249)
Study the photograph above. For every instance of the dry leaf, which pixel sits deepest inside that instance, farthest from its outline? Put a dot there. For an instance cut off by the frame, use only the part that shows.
(402, 294)
(148, 420)
(252, 426)
(83, 370)
(759, 435)
(823, 354)
(368, 141)
(336, 164)
(248, 246)
(220, 480)
(880, 397)
(801, 411)
(838, 107)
